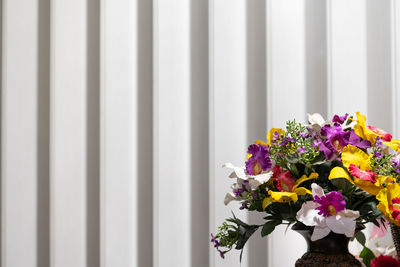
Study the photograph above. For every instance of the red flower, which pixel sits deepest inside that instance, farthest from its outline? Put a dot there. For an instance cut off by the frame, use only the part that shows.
(385, 261)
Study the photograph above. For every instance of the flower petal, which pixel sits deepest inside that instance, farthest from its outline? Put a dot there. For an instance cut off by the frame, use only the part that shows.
(308, 213)
(394, 144)
(304, 178)
(272, 131)
(317, 190)
(316, 118)
(229, 197)
(354, 155)
(319, 233)
(238, 172)
(283, 197)
(341, 225)
(339, 172)
(301, 191)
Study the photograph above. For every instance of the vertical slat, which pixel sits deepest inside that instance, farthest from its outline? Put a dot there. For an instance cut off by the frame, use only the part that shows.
(172, 171)
(347, 60)
(286, 97)
(395, 65)
(228, 134)
(199, 133)
(19, 133)
(378, 40)
(316, 57)
(125, 134)
(347, 56)
(92, 133)
(68, 166)
(43, 130)
(256, 106)
(144, 66)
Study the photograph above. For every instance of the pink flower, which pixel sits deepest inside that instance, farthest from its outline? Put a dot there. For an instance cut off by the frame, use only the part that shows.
(385, 261)
(363, 175)
(395, 208)
(330, 204)
(384, 135)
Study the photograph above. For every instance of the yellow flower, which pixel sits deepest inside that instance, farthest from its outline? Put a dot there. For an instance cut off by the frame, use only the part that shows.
(389, 202)
(369, 133)
(394, 144)
(292, 195)
(357, 162)
(270, 134)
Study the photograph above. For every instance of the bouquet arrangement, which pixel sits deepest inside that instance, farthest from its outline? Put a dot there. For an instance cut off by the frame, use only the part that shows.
(333, 176)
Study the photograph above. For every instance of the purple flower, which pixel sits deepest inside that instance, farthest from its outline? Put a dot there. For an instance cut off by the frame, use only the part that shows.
(377, 154)
(275, 136)
(304, 135)
(239, 190)
(396, 165)
(355, 140)
(259, 160)
(340, 119)
(330, 204)
(335, 140)
(244, 205)
(378, 142)
(216, 245)
(301, 150)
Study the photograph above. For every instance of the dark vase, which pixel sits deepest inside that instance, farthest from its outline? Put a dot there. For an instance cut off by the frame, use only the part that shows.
(330, 251)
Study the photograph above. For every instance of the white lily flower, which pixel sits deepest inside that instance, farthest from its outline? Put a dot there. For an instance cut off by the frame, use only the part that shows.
(327, 214)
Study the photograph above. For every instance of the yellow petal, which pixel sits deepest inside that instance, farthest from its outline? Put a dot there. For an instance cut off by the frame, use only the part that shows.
(301, 191)
(283, 197)
(385, 197)
(339, 172)
(266, 202)
(354, 155)
(362, 130)
(368, 186)
(248, 156)
(394, 144)
(259, 142)
(272, 131)
(304, 178)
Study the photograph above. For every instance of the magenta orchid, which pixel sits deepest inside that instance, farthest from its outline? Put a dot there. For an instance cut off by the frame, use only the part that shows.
(327, 213)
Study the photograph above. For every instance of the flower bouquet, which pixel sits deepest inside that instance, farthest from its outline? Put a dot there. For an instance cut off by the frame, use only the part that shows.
(327, 179)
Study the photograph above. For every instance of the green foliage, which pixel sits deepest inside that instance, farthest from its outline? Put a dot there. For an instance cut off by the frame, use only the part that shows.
(360, 237)
(285, 151)
(367, 255)
(269, 227)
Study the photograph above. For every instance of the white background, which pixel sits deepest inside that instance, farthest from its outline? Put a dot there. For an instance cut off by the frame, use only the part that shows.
(116, 116)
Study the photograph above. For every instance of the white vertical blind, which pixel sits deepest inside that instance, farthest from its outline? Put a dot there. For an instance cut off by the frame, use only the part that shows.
(395, 64)
(116, 117)
(119, 113)
(286, 98)
(172, 200)
(227, 109)
(19, 134)
(347, 56)
(68, 160)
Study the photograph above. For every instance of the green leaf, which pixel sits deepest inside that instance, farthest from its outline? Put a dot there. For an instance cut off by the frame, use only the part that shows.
(244, 235)
(360, 238)
(269, 227)
(367, 255)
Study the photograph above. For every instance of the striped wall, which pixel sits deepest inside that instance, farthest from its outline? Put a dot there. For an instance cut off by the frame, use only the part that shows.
(116, 116)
